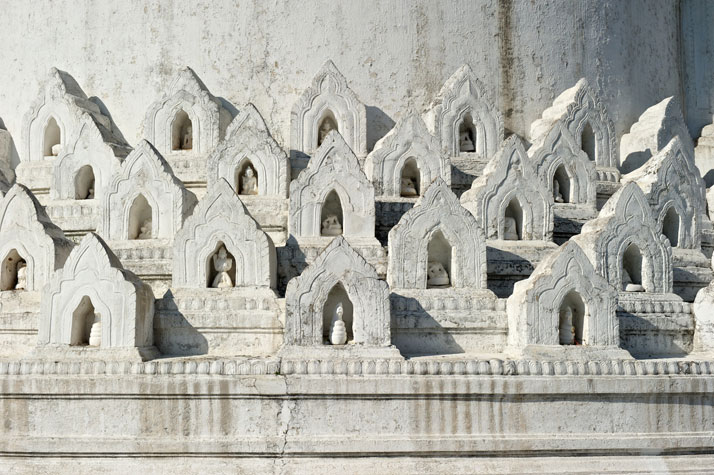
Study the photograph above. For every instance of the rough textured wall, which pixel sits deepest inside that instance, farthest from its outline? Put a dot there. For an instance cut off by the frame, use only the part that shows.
(394, 54)
(698, 62)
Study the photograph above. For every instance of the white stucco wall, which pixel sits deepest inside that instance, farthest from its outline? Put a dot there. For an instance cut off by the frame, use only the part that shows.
(394, 54)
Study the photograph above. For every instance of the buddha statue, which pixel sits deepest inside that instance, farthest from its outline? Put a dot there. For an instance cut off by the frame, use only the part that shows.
(510, 229)
(249, 183)
(326, 126)
(466, 144)
(56, 149)
(628, 285)
(557, 196)
(95, 333)
(437, 275)
(90, 192)
(21, 276)
(338, 334)
(186, 137)
(222, 263)
(331, 226)
(145, 229)
(566, 330)
(408, 189)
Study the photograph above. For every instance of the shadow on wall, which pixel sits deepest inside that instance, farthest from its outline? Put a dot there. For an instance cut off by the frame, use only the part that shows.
(105, 111)
(645, 340)
(14, 157)
(291, 262)
(504, 270)
(635, 160)
(378, 124)
(709, 178)
(174, 335)
(415, 332)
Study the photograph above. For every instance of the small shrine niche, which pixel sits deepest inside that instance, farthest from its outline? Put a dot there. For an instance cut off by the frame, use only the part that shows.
(467, 135)
(140, 219)
(338, 308)
(13, 275)
(438, 271)
(182, 132)
(632, 270)
(670, 226)
(411, 179)
(84, 183)
(561, 185)
(86, 325)
(588, 143)
(327, 124)
(513, 221)
(221, 268)
(331, 217)
(52, 143)
(246, 179)
(571, 320)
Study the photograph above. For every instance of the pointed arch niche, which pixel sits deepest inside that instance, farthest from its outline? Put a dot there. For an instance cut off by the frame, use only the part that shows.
(328, 103)
(410, 178)
(89, 160)
(558, 158)
(337, 295)
(249, 144)
(93, 282)
(507, 189)
(671, 224)
(463, 106)
(52, 137)
(84, 183)
(564, 303)
(181, 132)
(675, 191)
(83, 318)
(439, 253)
(625, 236)
(221, 219)
(408, 150)
(333, 169)
(140, 225)
(27, 234)
(330, 211)
(188, 106)
(11, 264)
(243, 176)
(311, 296)
(145, 188)
(234, 271)
(438, 229)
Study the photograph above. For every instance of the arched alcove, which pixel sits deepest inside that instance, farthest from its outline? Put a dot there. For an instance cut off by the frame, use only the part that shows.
(513, 211)
(588, 142)
(327, 124)
(572, 319)
(670, 226)
(438, 261)
(561, 185)
(52, 137)
(410, 183)
(140, 216)
(218, 264)
(181, 132)
(83, 318)
(337, 295)
(84, 183)
(331, 216)
(246, 179)
(8, 274)
(467, 135)
(632, 269)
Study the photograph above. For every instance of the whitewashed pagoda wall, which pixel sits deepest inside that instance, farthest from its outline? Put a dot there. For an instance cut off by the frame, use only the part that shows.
(393, 54)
